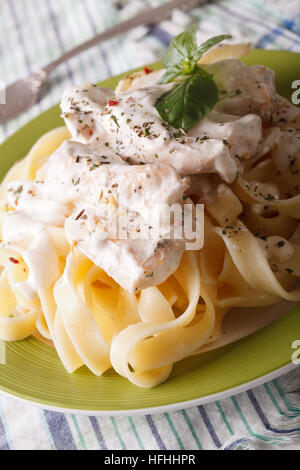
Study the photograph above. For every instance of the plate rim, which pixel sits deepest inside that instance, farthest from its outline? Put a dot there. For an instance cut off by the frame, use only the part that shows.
(164, 408)
(160, 408)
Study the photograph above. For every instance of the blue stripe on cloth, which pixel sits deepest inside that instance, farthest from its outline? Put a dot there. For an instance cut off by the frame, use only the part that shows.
(264, 419)
(164, 37)
(209, 426)
(19, 34)
(47, 430)
(95, 31)
(58, 37)
(60, 430)
(247, 19)
(6, 428)
(3, 440)
(263, 42)
(98, 432)
(292, 24)
(155, 432)
(234, 443)
(289, 24)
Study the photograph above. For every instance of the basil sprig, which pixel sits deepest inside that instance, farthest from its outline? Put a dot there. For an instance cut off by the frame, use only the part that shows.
(192, 98)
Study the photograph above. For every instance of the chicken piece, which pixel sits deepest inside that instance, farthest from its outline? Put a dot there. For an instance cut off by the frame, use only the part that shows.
(252, 89)
(76, 172)
(283, 111)
(92, 190)
(72, 172)
(286, 157)
(227, 126)
(131, 127)
(136, 128)
(133, 262)
(270, 140)
(81, 107)
(242, 135)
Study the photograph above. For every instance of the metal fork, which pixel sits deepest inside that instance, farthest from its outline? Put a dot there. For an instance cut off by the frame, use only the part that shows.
(23, 94)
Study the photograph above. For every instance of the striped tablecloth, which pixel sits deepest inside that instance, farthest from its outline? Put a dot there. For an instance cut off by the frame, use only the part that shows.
(33, 32)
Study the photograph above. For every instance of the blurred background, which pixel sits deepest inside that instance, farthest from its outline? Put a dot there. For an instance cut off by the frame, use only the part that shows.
(34, 32)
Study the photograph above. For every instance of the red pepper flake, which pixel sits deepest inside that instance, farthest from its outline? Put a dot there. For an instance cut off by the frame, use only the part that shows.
(287, 196)
(147, 70)
(113, 103)
(91, 132)
(14, 261)
(16, 202)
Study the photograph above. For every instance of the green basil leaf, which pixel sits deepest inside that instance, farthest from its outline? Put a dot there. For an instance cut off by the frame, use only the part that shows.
(189, 101)
(169, 75)
(182, 48)
(209, 44)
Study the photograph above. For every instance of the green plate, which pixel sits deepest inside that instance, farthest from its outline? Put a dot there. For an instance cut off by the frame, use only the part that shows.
(33, 371)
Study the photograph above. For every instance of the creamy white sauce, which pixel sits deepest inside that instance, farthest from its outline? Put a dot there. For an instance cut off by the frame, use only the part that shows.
(132, 128)
(286, 157)
(245, 89)
(82, 188)
(134, 263)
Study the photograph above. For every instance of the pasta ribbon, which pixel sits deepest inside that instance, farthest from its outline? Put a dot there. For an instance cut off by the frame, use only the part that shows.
(17, 314)
(77, 318)
(249, 258)
(144, 352)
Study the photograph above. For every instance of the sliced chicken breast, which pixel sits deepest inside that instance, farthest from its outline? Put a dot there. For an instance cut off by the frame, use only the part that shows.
(134, 130)
(245, 90)
(94, 193)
